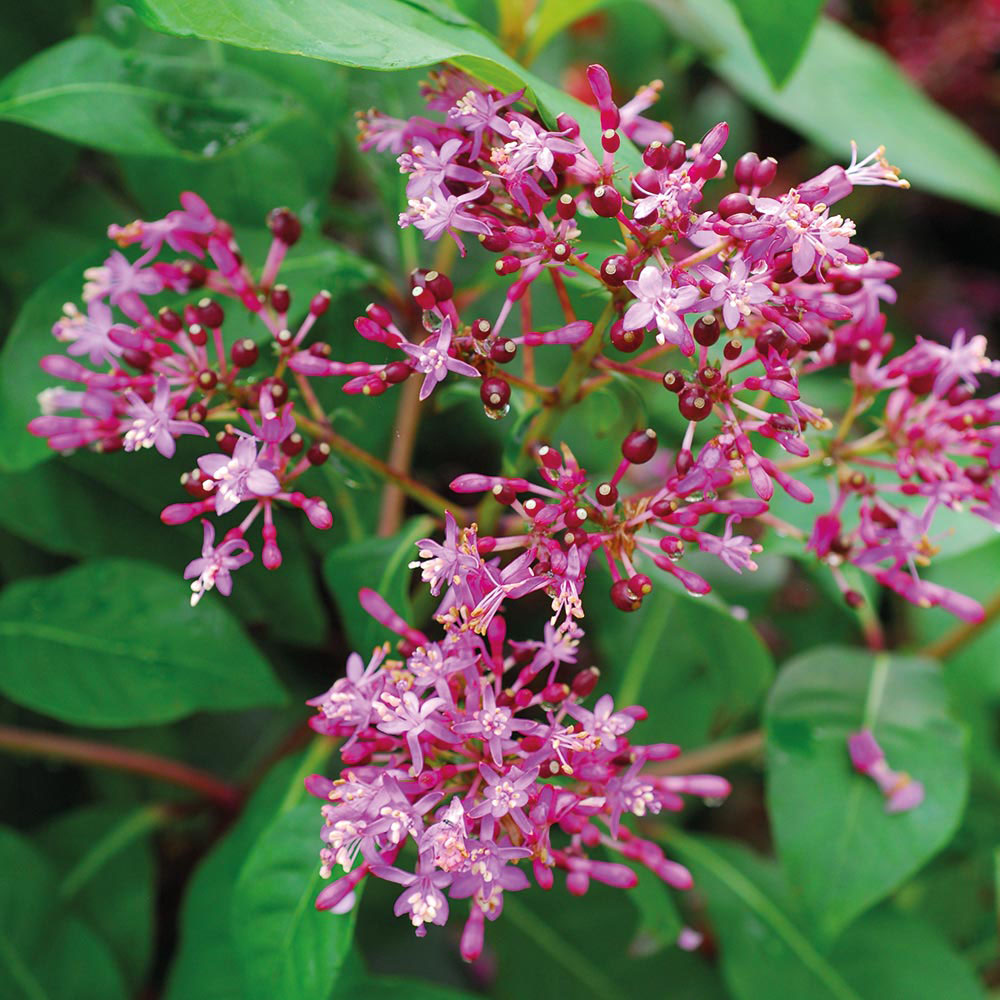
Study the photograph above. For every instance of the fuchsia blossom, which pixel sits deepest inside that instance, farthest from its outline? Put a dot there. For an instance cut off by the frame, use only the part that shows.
(214, 567)
(153, 423)
(461, 773)
(660, 303)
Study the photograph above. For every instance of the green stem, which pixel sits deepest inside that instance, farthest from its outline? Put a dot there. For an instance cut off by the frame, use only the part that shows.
(424, 495)
(140, 822)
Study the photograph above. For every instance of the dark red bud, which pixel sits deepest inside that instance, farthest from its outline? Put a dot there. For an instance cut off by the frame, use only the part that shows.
(495, 393)
(626, 341)
(281, 298)
(640, 446)
(605, 201)
(318, 453)
(210, 313)
(285, 226)
(503, 350)
(244, 353)
(706, 330)
(607, 494)
(656, 156)
(674, 381)
(694, 403)
(623, 598)
(293, 444)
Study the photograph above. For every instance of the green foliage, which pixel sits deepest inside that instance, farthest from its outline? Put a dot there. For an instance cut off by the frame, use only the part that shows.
(90, 92)
(116, 643)
(696, 667)
(288, 948)
(45, 953)
(104, 868)
(765, 953)
(381, 565)
(382, 34)
(779, 32)
(841, 850)
(844, 89)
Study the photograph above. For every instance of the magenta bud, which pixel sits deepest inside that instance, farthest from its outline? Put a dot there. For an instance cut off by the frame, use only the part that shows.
(577, 883)
(318, 513)
(471, 945)
(674, 874)
(181, 513)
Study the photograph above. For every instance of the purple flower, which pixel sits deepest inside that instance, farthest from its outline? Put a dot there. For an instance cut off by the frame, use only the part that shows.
(437, 212)
(505, 794)
(153, 424)
(122, 283)
(407, 716)
(739, 291)
(475, 112)
(90, 334)
(214, 567)
(430, 168)
(448, 563)
(238, 477)
(422, 898)
(604, 724)
(659, 300)
(432, 358)
(735, 551)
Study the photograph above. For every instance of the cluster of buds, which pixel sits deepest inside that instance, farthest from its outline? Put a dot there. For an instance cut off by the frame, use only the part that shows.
(470, 757)
(147, 371)
(563, 521)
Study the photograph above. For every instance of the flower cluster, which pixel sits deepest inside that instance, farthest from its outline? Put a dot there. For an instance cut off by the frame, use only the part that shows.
(147, 372)
(748, 297)
(471, 757)
(743, 298)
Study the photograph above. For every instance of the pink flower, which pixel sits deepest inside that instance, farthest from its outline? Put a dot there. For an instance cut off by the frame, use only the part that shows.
(214, 567)
(238, 477)
(432, 358)
(661, 302)
(153, 424)
(739, 291)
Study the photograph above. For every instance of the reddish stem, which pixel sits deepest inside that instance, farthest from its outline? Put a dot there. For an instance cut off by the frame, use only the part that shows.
(89, 752)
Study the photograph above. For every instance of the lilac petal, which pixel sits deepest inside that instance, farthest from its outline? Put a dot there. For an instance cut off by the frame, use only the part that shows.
(262, 483)
(212, 465)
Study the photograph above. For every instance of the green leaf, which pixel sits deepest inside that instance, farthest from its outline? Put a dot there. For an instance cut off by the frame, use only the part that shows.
(208, 965)
(350, 567)
(88, 91)
(394, 987)
(689, 661)
(380, 34)
(288, 948)
(841, 850)
(46, 954)
(553, 16)
(766, 954)
(105, 872)
(890, 955)
(779, 32)
(843, 89)
(547, 945)
(116, 643)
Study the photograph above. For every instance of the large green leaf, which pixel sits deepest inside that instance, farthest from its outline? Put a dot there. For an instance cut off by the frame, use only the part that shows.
(379, 34)
(208, 965)
(46, 954)
(689, 661)
(104, 865)
(841, 850)
(843, 89)
(116, 643)
(380, 564)
(765, 952)
(289, 949)
(779, 32)
(88, 91)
